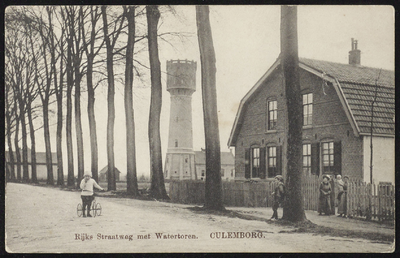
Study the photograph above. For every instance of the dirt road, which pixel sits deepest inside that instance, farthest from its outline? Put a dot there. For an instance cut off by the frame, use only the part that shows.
(40, 219)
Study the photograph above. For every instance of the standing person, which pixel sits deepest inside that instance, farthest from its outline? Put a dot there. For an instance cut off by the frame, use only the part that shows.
(278, 195)
(87, 185)
(342, 207)
(324, 196)
(339, 183)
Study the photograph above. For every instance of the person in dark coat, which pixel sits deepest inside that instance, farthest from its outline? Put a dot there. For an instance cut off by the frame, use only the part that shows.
(342, 207)
(278, 195)
(324, 196)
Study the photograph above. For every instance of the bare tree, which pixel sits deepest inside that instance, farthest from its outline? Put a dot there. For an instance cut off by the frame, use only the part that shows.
(132, 185)
(19, 76)
(70, 20)
(293, 209)
(44, 93)
(111, 40)
(91, 53)
(77, 58)
(213, 185)
(157, 188)
(58, 89)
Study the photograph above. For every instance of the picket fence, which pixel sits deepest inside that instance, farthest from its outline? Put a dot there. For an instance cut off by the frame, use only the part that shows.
(371, 201)
(363, 200)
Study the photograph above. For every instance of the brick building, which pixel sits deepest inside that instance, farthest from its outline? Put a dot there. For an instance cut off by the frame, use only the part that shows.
(337, 101)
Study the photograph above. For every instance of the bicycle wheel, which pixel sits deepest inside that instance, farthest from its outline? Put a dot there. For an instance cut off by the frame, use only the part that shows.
(93, 208)
(98, 209)
(79, 210)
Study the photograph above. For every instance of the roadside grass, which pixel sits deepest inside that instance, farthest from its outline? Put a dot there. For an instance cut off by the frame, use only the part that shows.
(302, 227)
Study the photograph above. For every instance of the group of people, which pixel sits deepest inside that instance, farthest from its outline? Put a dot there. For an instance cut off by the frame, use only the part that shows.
(325, 191)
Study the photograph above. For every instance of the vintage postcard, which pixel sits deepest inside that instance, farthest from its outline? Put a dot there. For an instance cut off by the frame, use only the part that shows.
(199, 129)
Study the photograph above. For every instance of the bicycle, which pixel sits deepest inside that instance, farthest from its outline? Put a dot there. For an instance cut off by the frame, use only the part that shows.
(95, 207)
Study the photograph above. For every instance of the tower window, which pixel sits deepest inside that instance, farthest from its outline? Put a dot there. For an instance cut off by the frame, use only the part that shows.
(176, 143)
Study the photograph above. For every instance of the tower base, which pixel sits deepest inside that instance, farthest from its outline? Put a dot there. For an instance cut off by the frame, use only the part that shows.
(179, 165)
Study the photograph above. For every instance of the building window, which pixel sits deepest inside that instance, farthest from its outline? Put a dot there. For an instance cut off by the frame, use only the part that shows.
(307, 159)
(272, 114)
(255, 162)
(327, 157)
(271, 161)
(202, 173)
(222, 172)
(176, 143)
(307, 108)
(231, 172)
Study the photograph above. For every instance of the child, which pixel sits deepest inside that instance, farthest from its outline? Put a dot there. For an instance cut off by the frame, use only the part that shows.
(87, 185)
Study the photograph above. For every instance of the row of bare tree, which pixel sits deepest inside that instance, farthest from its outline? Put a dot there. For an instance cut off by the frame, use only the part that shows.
(49, 51)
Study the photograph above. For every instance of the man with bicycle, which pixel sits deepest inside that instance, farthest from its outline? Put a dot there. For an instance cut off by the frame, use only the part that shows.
(87, 185)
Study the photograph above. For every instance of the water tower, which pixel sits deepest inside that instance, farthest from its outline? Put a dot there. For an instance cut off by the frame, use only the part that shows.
(181, 83)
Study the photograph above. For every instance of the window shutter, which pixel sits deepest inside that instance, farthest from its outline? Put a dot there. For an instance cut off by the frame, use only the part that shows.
(337, 162)
(262, 163)
(315, 158)
(247, 163)
(279, 160)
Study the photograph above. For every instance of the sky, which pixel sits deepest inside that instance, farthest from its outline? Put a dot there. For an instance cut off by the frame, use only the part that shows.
(247, 42)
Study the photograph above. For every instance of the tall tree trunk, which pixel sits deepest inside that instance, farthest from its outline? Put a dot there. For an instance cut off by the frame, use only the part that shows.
(213, 185)
(78, 116)
(70, 82)
(33, 145)
(92, 120)
(157, 187)
(25, 168)
(16, 140)
(111, 108)
(46, 129)
(293, 207)
(78, 124)
(10, 149)
(59, 95)
(132, 185)
(58, 91)
(90, 55)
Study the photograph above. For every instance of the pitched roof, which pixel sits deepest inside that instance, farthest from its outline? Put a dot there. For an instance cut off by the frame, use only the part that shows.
(352, 73)
(227, 158)
(355, 85)
(105, 169)
(358, 84)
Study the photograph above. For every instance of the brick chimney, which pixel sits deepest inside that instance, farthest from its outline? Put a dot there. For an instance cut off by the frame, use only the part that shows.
(354, 54)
